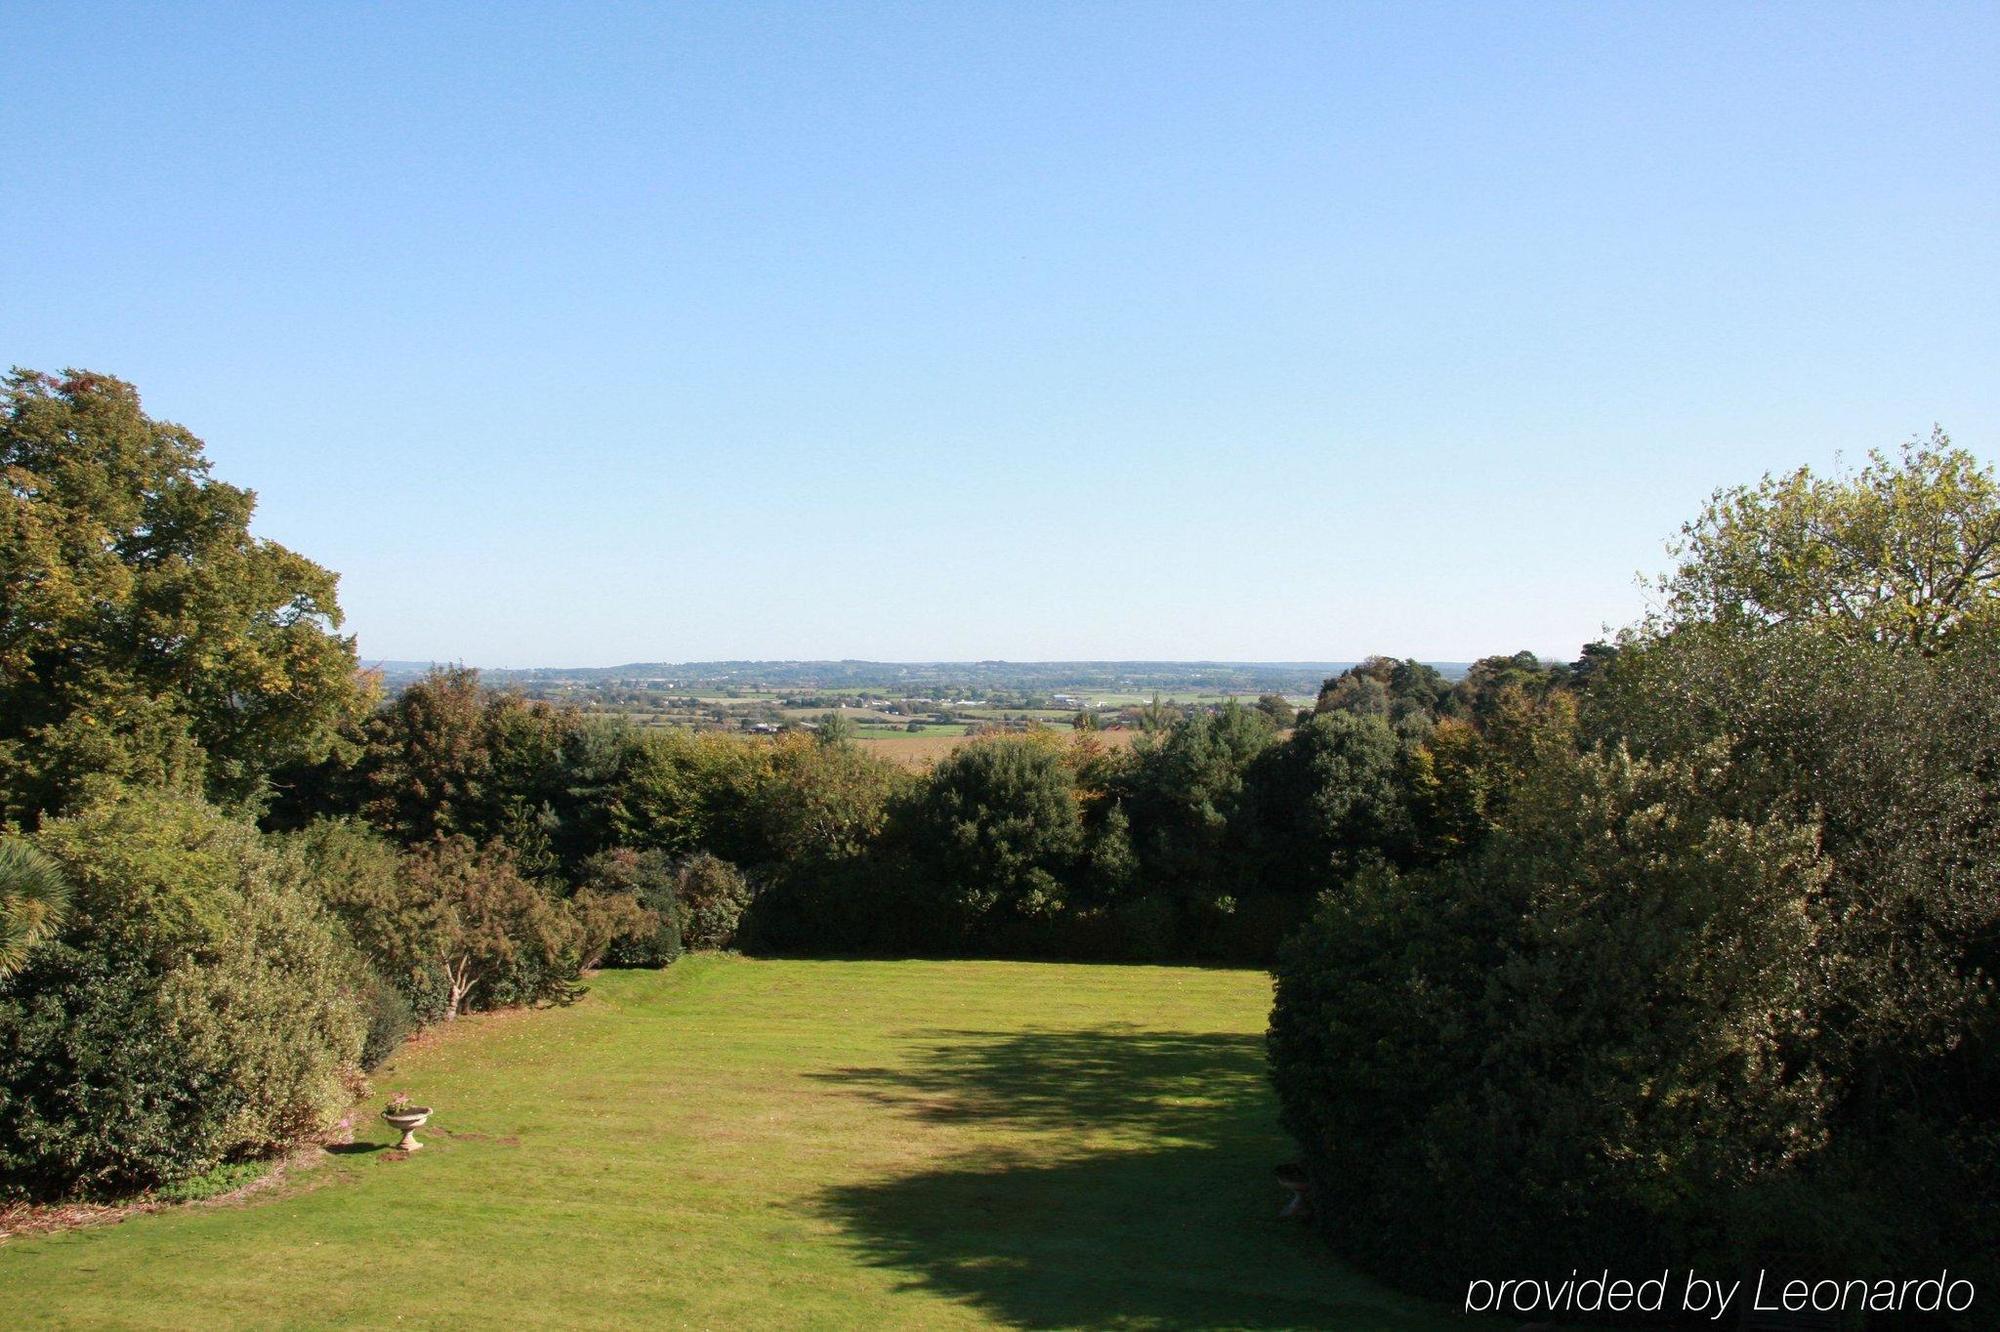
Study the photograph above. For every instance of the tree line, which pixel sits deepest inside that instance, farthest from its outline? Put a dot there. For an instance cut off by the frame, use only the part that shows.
(204, 799)
(1676, 953)
(1714, 989)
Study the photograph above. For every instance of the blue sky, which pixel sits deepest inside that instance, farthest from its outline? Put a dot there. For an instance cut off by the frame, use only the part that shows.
(585, 334)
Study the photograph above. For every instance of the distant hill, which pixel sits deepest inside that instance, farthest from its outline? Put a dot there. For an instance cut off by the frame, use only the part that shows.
(1232, 677)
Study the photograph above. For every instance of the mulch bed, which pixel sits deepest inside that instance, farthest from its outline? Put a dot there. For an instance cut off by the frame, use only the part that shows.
(47, 1218)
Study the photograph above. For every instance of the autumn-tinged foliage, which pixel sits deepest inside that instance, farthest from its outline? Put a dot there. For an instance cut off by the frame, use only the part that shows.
(145, 635)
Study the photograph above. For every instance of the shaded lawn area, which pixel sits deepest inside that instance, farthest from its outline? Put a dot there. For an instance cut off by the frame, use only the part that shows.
(735, 1143)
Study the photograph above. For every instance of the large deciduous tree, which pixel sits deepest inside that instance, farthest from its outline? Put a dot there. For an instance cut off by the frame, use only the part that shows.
(144, 633)
(1905, 552)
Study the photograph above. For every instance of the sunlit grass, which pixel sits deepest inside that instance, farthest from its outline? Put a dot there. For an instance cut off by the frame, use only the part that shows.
(738, 1144)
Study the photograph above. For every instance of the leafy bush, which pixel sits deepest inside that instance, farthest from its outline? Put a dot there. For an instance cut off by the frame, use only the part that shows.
(498, 938)
(357, 873)
(645, 880)
(1732, 996)
(1582, 1048)
(391, 1019)
(712, 896)
(607, 920)
(1896, 756)
(200, 1007)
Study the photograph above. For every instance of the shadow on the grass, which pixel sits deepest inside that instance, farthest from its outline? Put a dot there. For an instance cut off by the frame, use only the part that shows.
(1173, 1224)
(1166, 1085)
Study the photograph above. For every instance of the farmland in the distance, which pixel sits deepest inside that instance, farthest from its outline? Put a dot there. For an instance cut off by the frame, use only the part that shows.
(909, 712)
(921, 751)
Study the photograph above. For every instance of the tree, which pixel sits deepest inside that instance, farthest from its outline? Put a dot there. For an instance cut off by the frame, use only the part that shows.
(1157, 716)
(1451, 782)
(144, 633)
(711, 894)
(645, 879)
(1183, 792)
(1329, 800)
(667, 796)
(468, 911)
(1385, 687)
(1905, 552)
(34, 898)
(605, 920)
(816, 803)
(1355, 693)
(1478, 697)
(428, 770)
(997, 828)
(1279, 709)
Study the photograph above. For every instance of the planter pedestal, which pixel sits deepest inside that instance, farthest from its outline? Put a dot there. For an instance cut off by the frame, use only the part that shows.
(409, 1121)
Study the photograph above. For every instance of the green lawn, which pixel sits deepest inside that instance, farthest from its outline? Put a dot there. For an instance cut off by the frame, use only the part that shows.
(735, 1143)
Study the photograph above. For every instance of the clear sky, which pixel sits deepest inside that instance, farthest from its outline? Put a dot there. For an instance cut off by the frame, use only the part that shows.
(589, 333)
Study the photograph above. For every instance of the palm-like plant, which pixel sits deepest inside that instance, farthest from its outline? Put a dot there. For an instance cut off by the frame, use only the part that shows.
(34, 898)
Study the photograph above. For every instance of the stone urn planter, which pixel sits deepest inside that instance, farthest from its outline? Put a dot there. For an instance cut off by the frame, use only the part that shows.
(408, 1119)
(1293, 1176)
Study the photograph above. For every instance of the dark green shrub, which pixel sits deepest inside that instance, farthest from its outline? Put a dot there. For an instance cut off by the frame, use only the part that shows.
(1143, 929)
(866, 905)
(646, 879)
(1187, 796)
(1582, 1048)
(391, 1021)
(200, 1007)
(1254, 932)
(712, 895)
(1329, 800)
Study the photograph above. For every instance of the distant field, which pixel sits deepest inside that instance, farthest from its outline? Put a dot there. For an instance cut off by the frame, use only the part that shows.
(911, 751)
(921, 751)
(739, 1144)
(895, 730)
